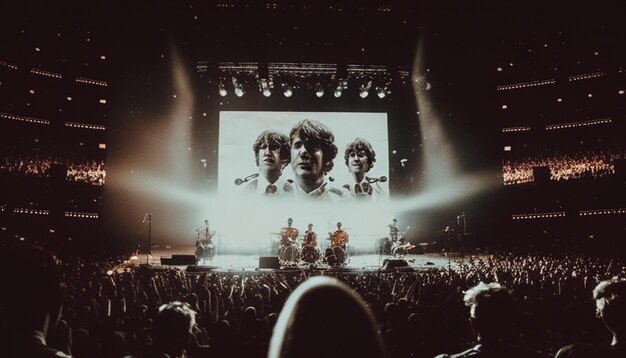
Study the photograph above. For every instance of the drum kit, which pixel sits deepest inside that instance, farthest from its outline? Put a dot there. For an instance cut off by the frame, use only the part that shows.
(289, 254)
(297, 251)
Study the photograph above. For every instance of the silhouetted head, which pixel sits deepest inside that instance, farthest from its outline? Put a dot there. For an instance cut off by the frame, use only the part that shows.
(610, 296)
(172, 328)
(33, 289)
(492, 310)
(323, 309)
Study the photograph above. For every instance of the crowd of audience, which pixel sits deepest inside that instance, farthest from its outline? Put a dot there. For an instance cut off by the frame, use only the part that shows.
(112, 312)
(86, 171)
(590, 164)
(92, 172)
(26, 166)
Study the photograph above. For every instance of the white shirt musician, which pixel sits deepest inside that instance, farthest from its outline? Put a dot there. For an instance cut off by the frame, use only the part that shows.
(339, 237)
(288, 235)
(310, 237)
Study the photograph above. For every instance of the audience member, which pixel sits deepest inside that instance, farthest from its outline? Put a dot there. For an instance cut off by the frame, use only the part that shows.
(323, 317)
(31, 301)
(610, 297)
(492, 316)
(172, 331)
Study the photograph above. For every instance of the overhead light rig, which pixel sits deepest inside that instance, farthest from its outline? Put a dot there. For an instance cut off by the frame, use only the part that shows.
(289, 78)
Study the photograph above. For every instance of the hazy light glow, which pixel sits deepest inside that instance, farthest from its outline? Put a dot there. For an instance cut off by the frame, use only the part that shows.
(157, 176)
(445, 185)
(155, 169)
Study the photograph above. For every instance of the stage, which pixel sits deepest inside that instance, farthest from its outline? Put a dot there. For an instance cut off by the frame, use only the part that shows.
(183, 258)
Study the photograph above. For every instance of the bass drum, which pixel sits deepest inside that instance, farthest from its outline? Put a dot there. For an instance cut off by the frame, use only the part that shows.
(288, 255)
(335, 256)
(310, 254)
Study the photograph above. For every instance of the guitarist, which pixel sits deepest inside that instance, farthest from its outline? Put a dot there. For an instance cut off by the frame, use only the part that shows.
(398, 245)
(204, 242)
(394, 231)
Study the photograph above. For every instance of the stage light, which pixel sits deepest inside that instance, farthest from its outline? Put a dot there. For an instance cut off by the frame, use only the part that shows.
(288, 92)
(223, 92)
(365, 89)
(267, 92)
(319, 90)
(338, 93)
(238, 92)
(380, 92)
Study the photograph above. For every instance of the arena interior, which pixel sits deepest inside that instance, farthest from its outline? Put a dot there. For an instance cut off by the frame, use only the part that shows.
(455, 143)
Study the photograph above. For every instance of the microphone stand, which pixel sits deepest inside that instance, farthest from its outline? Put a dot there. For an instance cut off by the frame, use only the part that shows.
(149, 252)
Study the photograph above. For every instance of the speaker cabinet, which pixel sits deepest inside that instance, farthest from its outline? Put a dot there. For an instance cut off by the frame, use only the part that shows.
(396, 264)
(180, 260)
(269, 262)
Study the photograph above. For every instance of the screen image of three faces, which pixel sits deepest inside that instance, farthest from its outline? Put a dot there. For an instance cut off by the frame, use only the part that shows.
(304, 156)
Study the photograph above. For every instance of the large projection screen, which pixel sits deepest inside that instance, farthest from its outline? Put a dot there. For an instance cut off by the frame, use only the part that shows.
(249, 219)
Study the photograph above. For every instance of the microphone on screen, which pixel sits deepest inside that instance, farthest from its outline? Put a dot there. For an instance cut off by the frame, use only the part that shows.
(240, 181)
(382, 179)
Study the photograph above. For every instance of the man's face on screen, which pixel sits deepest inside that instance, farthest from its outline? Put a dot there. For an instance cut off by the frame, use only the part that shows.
(307, 158)
(269, 158)
(358, 162)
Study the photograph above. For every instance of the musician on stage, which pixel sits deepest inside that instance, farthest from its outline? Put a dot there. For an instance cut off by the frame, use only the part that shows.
(310, 237)
(204, 242)
(288, 235)
(394, 231)
(339, 237)
(399, 246)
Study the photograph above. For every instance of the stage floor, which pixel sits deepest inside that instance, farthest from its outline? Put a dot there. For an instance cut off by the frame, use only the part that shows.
(362, 262)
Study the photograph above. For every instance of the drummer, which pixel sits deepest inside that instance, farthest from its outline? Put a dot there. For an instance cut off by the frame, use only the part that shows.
(339, 237)
(288, 235)
(310, 237)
